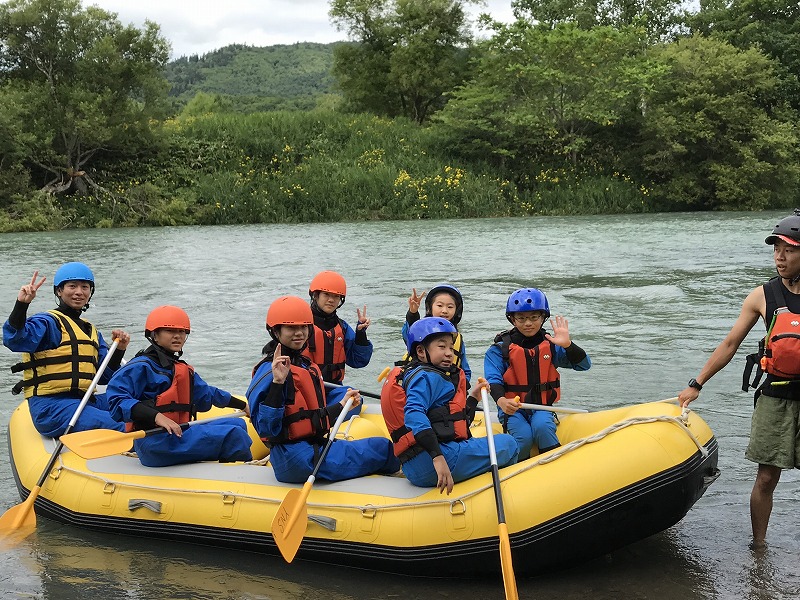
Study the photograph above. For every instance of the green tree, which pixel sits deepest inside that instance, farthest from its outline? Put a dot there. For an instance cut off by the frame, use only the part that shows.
(544, 95)
(81, 83)
(773, 26)
(407, 54)
(660, 18)
(707, 140)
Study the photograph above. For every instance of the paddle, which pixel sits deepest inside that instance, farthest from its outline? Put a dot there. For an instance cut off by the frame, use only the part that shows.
(555, 409)
(22, 515)
(290, 522)
(506, 561)
(97, 443)
(332, 386)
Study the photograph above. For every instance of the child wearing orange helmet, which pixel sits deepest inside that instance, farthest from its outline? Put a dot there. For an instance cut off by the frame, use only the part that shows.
(289, 410)
(158, 389)
(334, 344)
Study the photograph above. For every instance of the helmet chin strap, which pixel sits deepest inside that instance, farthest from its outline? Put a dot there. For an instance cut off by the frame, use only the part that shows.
(791, 280)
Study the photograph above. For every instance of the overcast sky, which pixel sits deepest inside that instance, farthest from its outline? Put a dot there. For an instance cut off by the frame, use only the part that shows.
(199, 26)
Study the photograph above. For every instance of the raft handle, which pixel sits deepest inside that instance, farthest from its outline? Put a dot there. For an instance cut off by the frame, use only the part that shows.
(328, 523)
(463, 510)
(152, 505)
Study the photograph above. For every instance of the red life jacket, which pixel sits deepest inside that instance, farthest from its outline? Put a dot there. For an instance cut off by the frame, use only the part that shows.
(326, 349)
(531, 370)
(449, 422)
(176, 401)
(304, 415)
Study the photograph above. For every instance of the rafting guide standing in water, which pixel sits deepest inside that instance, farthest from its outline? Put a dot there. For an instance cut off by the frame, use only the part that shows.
(774, 438)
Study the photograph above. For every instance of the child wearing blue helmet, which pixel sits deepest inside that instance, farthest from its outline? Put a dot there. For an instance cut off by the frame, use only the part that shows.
(523, 363)
(428, 411)
(61, 353)
(445, 301)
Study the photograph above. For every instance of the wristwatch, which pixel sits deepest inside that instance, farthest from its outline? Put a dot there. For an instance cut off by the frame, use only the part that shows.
(693, 384)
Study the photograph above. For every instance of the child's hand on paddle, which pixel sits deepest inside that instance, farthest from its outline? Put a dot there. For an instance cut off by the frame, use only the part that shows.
(168, 424)
(355, 395)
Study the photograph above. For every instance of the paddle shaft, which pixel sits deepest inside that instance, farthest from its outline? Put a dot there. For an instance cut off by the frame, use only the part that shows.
(506, 562)
(331, 436)
(555, 409)
(84, 401)
(184, 426)
(97, 443)
(332, 386)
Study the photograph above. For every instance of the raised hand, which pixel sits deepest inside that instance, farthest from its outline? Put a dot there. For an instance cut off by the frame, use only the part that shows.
(28, 291)
(363, 320)
(280, 366)
(415, 300)
(560, 335)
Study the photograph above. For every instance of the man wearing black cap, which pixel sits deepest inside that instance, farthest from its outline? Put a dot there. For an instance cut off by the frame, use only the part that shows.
(774, 439)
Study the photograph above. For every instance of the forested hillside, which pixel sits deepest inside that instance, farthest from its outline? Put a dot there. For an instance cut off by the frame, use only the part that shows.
(253, 79)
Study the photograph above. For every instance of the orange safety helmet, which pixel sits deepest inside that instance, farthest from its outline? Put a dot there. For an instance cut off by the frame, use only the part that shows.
(167, 317)
(289, 310)
(328, 281)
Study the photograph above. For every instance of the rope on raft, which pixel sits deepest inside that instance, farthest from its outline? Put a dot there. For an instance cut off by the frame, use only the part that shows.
(680, 421)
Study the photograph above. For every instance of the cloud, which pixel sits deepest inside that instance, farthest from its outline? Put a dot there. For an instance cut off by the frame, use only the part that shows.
(201, 26)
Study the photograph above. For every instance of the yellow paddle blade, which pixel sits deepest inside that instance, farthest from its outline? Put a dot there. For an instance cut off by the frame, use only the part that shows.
(290, 522)
(97, 443)
(507, 564)
(20, 520)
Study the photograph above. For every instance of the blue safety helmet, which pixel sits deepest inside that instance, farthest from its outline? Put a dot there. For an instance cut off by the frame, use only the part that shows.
(426, 327)
(445, 288)
(73, 271)
(526, 300)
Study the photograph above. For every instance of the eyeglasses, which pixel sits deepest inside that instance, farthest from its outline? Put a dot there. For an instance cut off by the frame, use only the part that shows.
(528, 318)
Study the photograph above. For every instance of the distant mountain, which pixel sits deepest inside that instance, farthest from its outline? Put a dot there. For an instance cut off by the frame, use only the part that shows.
(281, 76)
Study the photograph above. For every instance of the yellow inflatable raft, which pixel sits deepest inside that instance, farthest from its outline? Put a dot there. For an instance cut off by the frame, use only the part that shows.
(621, 475)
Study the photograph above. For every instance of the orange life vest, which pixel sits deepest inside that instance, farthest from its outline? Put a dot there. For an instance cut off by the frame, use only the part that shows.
(531, 374)
(781, 346)
(449, 421)
(326, 349)
(304, 415)
(176, 401)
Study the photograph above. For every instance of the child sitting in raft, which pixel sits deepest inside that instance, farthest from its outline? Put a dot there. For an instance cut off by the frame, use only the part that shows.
(61, 354)
(157, 389)
(523, 363)
(334, 344)
(288, 407)
(445, 301)
(428, 412)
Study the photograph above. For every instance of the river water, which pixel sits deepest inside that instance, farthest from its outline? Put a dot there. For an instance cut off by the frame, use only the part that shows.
(648, 296)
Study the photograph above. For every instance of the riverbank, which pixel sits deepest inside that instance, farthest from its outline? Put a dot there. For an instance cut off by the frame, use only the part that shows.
(319, 166)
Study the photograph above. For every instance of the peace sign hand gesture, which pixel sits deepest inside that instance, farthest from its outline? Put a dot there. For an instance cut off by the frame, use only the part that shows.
(280, 366)
(363, 319)
(28, 291)
(415, 300)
